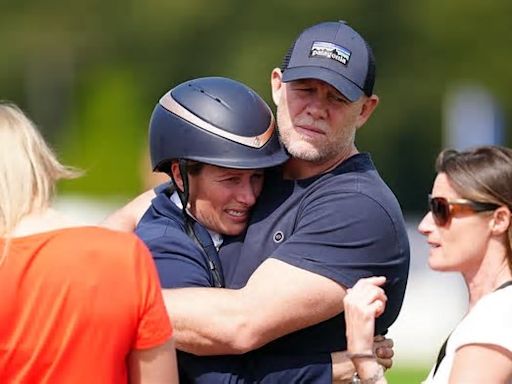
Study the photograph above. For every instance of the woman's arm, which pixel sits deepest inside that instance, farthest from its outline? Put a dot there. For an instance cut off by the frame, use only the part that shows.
(363, 303)
(153, 365)
(482, 363)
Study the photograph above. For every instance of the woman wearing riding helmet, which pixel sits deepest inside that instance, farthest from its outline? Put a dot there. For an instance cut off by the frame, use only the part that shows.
(213, 136)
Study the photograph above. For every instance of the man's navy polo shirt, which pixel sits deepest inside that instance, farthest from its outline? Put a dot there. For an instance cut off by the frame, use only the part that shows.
(345, 224)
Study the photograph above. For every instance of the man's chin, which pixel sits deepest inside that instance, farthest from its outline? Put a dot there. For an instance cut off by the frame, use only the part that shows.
(305, 152)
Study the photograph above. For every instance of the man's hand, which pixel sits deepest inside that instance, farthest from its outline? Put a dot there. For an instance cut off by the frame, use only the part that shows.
(383, 349)
(343, 369)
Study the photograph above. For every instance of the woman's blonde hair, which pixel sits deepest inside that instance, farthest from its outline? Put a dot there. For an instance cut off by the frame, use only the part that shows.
(29, 169)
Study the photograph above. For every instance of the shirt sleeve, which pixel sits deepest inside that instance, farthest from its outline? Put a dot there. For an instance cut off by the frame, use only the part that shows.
(343, 236)
(162, 187)
(154, 327)
(346, 236)
(179, 262)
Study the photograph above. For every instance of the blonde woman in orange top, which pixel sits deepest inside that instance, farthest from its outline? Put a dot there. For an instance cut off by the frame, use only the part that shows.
(79, 304)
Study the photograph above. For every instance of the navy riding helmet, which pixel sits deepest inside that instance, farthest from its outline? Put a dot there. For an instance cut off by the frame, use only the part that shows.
(217, 121)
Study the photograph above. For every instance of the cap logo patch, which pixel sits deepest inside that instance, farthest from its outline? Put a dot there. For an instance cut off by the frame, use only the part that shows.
(330, 51)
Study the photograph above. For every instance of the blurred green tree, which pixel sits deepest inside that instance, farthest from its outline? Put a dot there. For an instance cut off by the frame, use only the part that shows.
(90, 72)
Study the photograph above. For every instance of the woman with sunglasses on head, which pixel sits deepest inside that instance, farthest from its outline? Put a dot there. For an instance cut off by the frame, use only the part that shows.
(469, 231)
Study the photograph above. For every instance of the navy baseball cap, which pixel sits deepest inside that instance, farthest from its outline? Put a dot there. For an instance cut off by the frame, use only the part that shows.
(335, 53)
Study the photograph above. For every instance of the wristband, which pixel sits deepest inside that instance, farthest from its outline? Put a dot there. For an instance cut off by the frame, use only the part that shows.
(361, 356)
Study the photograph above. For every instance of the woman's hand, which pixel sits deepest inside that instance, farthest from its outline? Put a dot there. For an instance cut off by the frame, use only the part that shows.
(363, 304)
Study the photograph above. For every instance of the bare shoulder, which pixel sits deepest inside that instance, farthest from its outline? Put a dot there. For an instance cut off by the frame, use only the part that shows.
(468, 366)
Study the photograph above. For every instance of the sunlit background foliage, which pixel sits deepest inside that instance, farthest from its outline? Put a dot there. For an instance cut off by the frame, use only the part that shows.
(90, 72)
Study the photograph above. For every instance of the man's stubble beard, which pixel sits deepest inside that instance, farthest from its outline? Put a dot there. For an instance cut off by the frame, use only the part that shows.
(307, 151)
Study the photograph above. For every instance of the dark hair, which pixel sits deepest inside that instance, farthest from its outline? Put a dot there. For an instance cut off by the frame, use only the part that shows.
(481, 174)
(286, 58)
(194, 167)
(369, 82)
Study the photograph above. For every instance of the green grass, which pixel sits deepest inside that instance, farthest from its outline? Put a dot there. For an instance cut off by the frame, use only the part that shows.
(407, 375)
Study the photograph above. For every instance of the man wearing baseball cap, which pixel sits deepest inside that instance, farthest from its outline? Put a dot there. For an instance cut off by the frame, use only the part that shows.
(335, 53)
(325, 220)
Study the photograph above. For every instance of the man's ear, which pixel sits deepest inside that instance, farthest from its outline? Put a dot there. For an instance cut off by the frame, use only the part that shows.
(500, 221)
(276, 84)
(176, 174)
(368, 106)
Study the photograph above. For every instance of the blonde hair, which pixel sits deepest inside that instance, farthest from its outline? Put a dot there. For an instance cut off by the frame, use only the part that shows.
(29, 169)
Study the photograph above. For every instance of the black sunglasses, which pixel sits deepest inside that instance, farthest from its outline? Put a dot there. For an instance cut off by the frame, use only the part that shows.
(443, 209)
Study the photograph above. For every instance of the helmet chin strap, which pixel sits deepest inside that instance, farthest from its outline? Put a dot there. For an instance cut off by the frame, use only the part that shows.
(183, 194)
(184, 177)
(189, 221)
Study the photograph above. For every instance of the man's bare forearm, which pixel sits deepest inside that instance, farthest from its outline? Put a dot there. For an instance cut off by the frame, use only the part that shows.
(206, 321)
(212, 321)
